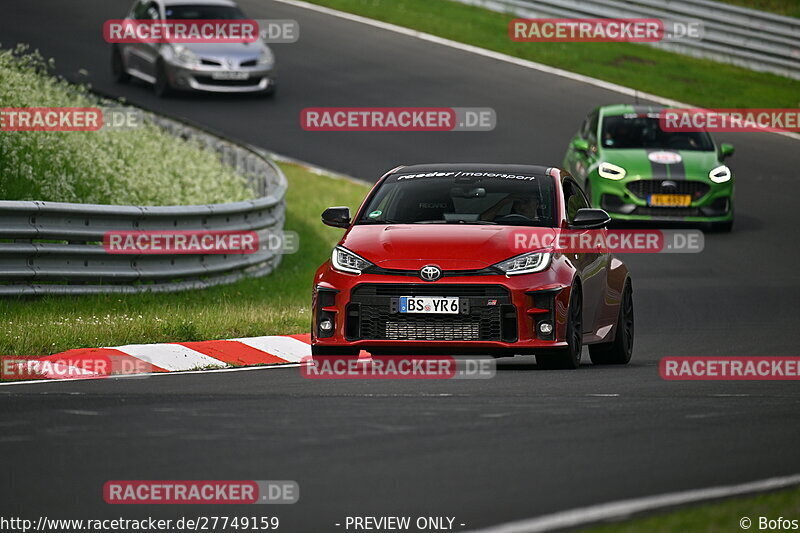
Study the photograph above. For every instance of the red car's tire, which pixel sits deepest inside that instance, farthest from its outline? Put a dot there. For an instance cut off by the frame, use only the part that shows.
(568, 358)
(618, 351)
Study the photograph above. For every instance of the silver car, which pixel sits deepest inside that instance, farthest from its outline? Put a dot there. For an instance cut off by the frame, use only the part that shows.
(210, 67)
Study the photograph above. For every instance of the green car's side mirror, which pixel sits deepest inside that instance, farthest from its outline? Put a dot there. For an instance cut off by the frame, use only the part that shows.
(725, 150)
(582, 145)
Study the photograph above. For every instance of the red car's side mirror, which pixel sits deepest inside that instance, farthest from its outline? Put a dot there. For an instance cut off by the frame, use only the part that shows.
(337, 217)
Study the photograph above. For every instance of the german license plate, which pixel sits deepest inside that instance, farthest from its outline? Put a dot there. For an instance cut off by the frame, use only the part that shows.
(670, 200)
(438, 305)
(230, 75)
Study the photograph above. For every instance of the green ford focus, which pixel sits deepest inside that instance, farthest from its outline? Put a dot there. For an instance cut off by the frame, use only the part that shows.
(636, 171)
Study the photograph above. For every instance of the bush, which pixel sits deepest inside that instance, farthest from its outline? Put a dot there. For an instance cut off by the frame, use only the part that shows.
(143, 166)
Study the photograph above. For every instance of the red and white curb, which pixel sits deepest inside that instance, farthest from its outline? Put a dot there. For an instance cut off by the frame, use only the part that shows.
(175, 357)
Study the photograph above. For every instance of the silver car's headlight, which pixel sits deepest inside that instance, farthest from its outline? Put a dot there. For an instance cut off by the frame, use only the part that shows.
(721, 174)
(346, 261)
(611, 172)
(526, 263)
(266, 57)
(184, 56)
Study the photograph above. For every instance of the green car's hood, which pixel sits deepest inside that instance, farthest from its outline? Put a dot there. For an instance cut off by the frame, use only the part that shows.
(692, 165)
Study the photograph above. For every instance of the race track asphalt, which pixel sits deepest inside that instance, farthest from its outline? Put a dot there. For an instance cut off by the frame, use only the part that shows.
(525, 443)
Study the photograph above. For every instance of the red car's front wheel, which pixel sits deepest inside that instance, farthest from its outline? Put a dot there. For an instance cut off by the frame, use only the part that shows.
(618, 351)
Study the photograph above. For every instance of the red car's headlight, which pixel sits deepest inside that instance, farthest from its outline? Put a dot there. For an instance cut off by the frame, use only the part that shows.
(526, 263)
(344, 260)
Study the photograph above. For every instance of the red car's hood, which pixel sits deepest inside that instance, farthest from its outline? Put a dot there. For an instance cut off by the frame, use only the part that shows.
(450, 246)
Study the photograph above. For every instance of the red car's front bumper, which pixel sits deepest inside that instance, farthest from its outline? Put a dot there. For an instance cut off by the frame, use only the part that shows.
(500, 315)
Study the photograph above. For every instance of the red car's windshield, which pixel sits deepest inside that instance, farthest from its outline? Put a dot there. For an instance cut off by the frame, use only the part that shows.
(462, 197)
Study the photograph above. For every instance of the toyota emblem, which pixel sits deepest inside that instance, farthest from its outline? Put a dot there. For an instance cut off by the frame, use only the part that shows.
(430, 273)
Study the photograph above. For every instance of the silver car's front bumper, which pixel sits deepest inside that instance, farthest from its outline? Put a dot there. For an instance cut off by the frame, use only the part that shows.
(201, 78)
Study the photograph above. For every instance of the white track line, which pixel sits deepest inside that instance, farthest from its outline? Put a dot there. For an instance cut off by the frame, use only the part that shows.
(287, 348)
(500, 57)
(170, 357)
(625, 508)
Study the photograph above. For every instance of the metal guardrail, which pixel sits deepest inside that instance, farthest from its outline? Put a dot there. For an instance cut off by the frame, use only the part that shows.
(745, 37)
(56, 248)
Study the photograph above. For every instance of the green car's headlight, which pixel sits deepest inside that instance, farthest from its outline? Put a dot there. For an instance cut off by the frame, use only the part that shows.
(721, 174)
(611, 172)
(344, 260)
(526, 263)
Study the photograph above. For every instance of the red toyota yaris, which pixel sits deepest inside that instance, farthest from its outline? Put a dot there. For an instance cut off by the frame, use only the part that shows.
(429, 265)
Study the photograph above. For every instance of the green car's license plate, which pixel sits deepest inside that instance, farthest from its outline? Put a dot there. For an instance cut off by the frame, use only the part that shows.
(670, 200)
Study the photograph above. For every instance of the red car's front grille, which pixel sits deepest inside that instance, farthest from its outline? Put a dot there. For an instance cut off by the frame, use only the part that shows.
(450, 330)
(487, 314)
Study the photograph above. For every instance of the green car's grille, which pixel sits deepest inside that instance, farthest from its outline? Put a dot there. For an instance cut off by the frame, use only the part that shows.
(644, 188)
(667, 211)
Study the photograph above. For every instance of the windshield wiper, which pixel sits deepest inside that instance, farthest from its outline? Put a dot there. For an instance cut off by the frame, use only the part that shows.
(454, 222)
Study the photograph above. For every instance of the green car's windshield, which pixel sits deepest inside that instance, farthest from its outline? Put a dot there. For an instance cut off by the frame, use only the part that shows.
(460, 197)
(637, 131)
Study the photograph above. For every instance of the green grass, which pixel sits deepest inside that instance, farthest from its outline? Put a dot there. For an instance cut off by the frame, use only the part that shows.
(719, 517)
(789, 8)
(276, 304)
(701, 82)
(142, 166)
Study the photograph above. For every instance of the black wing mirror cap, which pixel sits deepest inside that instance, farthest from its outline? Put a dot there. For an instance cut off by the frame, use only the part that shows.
(336, 217)
(590, 218)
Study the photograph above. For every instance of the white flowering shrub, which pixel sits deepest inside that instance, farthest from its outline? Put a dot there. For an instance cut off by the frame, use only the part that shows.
(142, 166)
